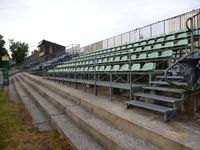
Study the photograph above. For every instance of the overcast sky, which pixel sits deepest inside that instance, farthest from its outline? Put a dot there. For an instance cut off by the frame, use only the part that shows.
(82, 21)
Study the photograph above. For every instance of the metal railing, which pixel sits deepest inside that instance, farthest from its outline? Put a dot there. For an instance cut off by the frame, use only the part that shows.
(166, 26)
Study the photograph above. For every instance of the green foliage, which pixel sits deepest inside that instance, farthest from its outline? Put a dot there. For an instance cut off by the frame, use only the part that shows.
(19, 51)
(3, 52)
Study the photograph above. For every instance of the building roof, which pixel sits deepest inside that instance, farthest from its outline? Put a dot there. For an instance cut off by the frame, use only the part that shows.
(49, 42)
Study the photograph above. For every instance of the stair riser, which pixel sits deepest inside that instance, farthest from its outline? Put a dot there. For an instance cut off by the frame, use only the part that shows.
(49, 98)
(124, 124)
(55, 125)
(53, 122)
(92, 131)
(35, 101)
(108, 143)
(14, 86)
(61, 93)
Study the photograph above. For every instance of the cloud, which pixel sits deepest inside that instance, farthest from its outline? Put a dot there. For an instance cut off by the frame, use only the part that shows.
(81, 21)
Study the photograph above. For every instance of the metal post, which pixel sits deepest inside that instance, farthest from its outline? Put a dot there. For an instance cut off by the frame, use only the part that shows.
(95, 84)
(111, 90)
(150, 30)
(192, 36)
(130, 76)
(75, 76)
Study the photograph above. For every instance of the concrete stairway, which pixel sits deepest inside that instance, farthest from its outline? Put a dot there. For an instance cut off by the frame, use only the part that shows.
(91, 131)
(77, 137)
(105, 122)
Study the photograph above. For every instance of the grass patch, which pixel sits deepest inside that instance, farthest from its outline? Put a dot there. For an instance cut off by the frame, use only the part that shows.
(9, 120)
(14, 133)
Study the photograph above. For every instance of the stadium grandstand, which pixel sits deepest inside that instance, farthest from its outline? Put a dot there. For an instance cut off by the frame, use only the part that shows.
(152, 59)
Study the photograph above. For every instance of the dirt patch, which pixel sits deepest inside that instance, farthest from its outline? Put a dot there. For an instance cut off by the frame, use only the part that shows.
(17, 131)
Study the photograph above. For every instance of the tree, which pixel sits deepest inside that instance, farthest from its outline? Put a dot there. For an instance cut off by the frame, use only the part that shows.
(3, 52)
(19, 51)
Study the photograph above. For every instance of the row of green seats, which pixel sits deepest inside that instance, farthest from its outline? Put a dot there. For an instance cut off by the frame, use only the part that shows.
(134, 57)
(159, 46)
(168, 37)
(116, 68)
(115, 54)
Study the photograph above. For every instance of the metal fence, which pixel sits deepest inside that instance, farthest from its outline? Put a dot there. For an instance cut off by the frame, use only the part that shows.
(173, 24)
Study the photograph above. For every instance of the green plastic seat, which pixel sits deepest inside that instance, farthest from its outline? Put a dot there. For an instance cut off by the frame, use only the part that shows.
(96, 68)
(123, 47)
(171, 37)
(99, 61)
(136, 45)
(113, 49)
(91, 69)
(139, 49)
(111, 59)
(129, 46)
(157, 46)
(162, 35)
(147, 48)
(148, 67)
(167, 53)
(101, 68)
(182, 30)
(133, 57)
(82, 69)
(131, 50)
(142, 56)
(168, 44)
(151, 41)
(86, 69)
(171, 33)
(143, 43)
(115, 68)
(108, 68)
(109, 50)
(78, 69)
(118, 48)
(73, 69)
(135, 67)
(182, 35)
(117, 58)
(124, 58)
(105, 60)
(183, 42)
(160, 40)
(125, 67)
(153, 55)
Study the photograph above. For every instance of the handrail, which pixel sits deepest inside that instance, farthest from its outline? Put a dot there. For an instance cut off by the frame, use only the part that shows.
(191, 28)
(190, 19)
(175, 65)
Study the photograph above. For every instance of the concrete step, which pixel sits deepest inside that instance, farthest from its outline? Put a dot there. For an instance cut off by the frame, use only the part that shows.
(164, 89)
(57, 100)
(39, 119)
(158, 97)
(106, 134)
(48, 108)
(145, 126)
(170, 77)
(13, 96)
(150, 106)
(77, 137)
(166, 83)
